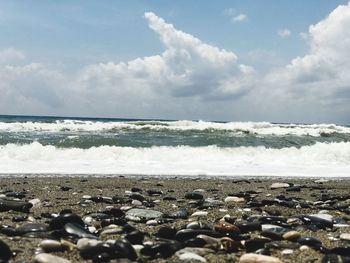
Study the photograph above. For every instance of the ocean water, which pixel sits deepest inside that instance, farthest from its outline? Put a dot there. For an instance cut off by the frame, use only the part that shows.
(55, 145)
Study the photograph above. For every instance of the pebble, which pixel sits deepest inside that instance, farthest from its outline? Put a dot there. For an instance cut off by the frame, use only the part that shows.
(194, 196)
(48, 258)
(345, 236)
(49, 245)
(234, 199)
(146, 214)
(5, 251)
(200, 214)
(291, 235)
(279, 185)
(189, 256)
(257, 258)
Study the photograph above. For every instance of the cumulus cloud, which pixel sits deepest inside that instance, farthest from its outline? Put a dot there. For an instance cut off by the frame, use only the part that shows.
(187, 67)
(284, 33)
(239, 18)
(320, 79)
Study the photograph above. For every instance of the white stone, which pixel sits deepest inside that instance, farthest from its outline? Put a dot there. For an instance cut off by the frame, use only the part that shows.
(323, 216)
(320, 181)
(279, 185)
(197, 250)
(234, 199)
(152, 222)
(136, 203)
(256, 258)
(49, 245)
(48, 258)
(88, 220)
(287, 251)
(304, 247)
(345, 236)
(86, 196)
(85, 243)
(189, 256)
(200, 214)
(35, 202)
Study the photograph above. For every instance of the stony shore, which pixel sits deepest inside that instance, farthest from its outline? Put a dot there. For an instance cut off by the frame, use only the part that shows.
(148, 219)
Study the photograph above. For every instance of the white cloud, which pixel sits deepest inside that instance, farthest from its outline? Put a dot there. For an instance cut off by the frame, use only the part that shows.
(10, 55)
(239, 18)
(187, 68)
(320, 80)
(284, 32)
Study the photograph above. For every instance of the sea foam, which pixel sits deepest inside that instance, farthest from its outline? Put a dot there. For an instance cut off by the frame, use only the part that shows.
(320, 159)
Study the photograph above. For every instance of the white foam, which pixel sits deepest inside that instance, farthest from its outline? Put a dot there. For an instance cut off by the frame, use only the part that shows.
(321, 159)
(259, 128)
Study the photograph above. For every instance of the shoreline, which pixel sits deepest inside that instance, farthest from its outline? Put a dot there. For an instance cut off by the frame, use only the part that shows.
(167, 195)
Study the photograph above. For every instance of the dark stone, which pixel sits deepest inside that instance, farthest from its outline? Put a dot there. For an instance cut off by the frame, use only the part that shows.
(194, 196)
(186, 234)
(19, 206)
(102, 258)
(319, 222)
(166, 232)
(32, 230)
(165, 250)
(343, 251)
(272, 235)
(124, 250)
(19, 218)
(76, 231)
(195, 242)
(59, 221)
(310, 241)
(65, 188)
(169, 198)
(249, 226)
(100, 248)
(252, 245)
(293, 189)
(115, 212)
(182, 213)
(136, 189)
(19, 195)
(137, 196)
(153, 192)
(5, 251)
(135, 237)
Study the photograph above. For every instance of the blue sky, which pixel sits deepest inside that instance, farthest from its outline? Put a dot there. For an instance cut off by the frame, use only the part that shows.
(64, 47)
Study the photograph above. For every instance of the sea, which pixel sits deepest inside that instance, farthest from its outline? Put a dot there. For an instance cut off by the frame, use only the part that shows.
(95, 146)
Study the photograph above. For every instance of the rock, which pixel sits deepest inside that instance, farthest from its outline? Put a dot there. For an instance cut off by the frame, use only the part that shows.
(186, 234)
(182, 213)
(310, 241)
(77, 231)
(145, 214)
(123, 249)
(333, 258)
(256, 258)
(200, 214)
(234, 199)
(48, 258)
(194, 196)
(287, 251)
(33, 230)
(135, 237)
(254, 244)
(294, 188)
(19, 206)
(59, 221)
(249, 226)
(279, 185)
(166, 232)
(321, 221)
(49, 245)
(5, 251)
(291, 235)
(192, 257)
(345, 236)
(224, 227)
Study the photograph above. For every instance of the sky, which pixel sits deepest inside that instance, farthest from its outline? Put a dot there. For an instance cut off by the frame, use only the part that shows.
(271, 60)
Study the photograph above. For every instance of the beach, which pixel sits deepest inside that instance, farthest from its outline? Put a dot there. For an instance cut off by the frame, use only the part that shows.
(242, 215)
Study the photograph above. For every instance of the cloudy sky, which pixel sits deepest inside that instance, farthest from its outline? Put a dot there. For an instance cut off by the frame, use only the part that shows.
(278, 61)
